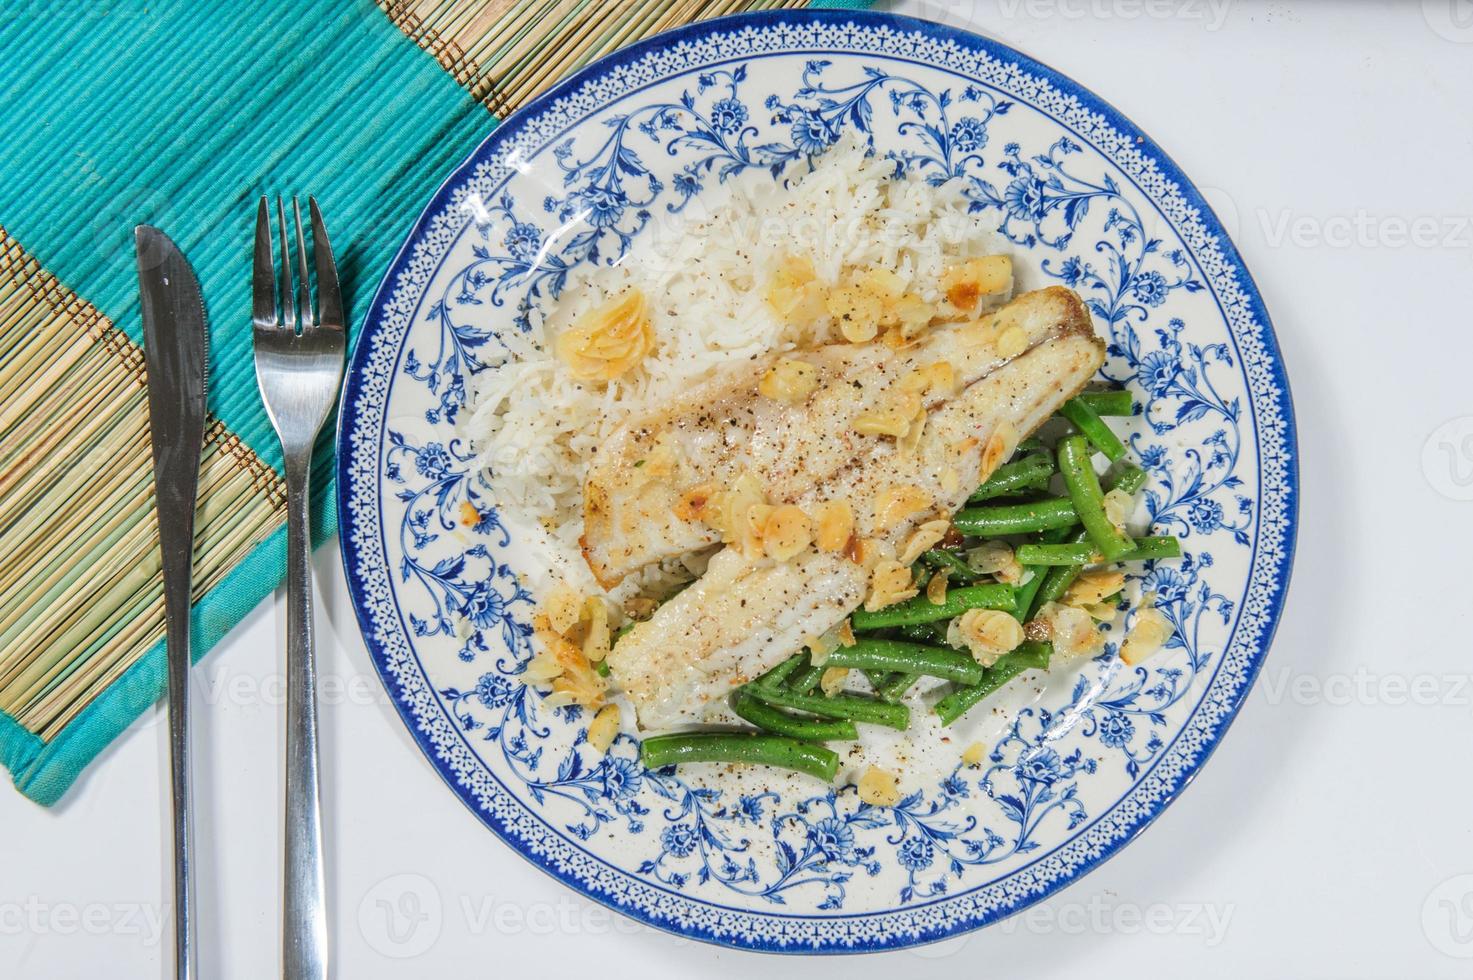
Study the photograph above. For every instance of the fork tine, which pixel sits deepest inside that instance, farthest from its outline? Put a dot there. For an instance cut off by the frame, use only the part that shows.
(329, 297)
(263, 274)
(288, 312)
(304, 281)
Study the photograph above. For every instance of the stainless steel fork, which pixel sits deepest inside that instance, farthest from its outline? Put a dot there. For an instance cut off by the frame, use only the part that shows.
(299, 366)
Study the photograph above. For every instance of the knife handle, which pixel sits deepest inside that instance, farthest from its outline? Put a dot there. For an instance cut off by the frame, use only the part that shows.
(304, 934)
(176, 492)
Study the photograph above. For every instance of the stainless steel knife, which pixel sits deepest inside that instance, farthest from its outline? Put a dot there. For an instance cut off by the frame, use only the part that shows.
(175, 348)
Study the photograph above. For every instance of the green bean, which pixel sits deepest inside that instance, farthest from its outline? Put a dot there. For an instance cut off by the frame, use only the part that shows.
(780, 673)
(1027, 591)
(805, 680)
(1055, 585)
(1060, 535)
(1148, 549)
(1112, 402)
(895, 656)
(1085, 553)
(1029, 473)
(876, 678)
(1003, 519)
(1127, 477)
(923, 610)
(1058, 578)
(923, 633)
(601, 668)
(1088, 422)
(763, 750)
(895, 687)
(1029, 656)
(1058, 554)
(766, 717)
(1089, 499)
(848, 706)
(920, 574)
(938, 559)
(1029, 446)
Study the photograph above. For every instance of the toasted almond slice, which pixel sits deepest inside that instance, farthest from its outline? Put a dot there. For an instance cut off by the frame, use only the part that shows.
(965, 285)
(564, 607)
(832, 680)
(1147, 635)
(987, 633)
(897, 503)
(834, 523)
(1118, 505)
(1093, 586)
(597, 640)
(882, 423)
(936, 587)
(922, 539)
(786, 533)
(890, 582)
(998, 446)
(1072, 631)
(879, 787)
(790, 381)
(608, 340)
(603, 728)
(694, 504)
(1012, 341)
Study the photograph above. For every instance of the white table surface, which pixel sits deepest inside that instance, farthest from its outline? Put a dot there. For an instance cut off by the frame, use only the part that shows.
(1331, 834)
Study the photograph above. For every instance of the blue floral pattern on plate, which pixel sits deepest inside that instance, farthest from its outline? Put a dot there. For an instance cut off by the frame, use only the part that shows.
(1082, 762)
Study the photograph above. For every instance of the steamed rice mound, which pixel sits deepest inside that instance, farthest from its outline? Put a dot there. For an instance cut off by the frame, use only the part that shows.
(705, 273)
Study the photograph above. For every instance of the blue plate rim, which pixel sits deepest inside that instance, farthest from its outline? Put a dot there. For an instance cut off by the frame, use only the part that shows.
(1143, 144)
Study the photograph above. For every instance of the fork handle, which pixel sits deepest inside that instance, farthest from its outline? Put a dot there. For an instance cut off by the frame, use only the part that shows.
(304, 933)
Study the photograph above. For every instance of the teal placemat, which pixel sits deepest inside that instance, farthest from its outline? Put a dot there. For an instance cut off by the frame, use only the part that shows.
(179, 114)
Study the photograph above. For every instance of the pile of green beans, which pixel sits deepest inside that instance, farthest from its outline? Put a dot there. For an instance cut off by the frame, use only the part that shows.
(1055, 535)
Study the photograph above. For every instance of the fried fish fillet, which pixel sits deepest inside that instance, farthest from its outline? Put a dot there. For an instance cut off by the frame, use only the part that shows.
(746, 614)
(724, 429)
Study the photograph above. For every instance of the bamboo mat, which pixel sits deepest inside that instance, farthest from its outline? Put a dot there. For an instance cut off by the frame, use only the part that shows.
(81, 615)
(506, 52)
(80, 586)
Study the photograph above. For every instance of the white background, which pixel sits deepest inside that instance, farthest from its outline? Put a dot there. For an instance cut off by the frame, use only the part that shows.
(1327, 835)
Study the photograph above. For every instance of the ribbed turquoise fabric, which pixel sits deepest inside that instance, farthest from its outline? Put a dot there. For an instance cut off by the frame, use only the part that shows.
(179, 113)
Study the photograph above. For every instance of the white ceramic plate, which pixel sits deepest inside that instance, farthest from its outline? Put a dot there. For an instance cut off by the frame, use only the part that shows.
(1081, 760)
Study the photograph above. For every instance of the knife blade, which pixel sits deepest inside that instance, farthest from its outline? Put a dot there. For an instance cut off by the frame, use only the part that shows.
(175, 349)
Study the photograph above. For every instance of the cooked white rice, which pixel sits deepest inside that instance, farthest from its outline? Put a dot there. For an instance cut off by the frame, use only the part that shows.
(704, 272)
